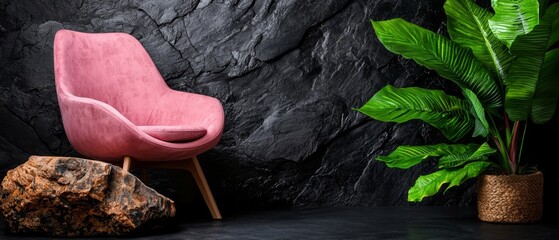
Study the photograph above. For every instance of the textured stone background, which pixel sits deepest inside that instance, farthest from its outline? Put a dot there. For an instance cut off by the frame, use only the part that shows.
(288, 73)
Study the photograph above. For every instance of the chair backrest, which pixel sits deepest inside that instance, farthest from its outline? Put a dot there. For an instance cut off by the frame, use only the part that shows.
(110, 67)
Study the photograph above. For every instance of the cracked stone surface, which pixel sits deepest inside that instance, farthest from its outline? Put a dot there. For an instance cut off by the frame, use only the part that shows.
(288, 73)
(76, 197)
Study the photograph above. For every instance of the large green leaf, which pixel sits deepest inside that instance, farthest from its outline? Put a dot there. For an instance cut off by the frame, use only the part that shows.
(436, 52)
(429, 185)
(408, 156)
(513, 18)
(468, 25)
(554, 32)
(481, 126)
(526, 93)
(457, 160)
(447, 113)
(548, 89)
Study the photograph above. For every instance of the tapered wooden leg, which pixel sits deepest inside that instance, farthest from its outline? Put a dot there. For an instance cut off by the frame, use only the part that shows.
(126, 164)
(196, 170)
(193, 166)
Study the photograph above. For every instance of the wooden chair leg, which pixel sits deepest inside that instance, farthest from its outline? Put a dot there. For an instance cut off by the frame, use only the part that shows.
(194, 168)
(126, 164)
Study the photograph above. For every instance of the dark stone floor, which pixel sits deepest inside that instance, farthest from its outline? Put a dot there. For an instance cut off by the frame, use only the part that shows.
(345, 223)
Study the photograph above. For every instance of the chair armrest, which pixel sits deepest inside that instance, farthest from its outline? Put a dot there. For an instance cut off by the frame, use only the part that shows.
(189, 109)
(94, 128)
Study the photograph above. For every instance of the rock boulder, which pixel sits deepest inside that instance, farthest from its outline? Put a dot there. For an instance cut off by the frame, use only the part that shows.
(67, 196)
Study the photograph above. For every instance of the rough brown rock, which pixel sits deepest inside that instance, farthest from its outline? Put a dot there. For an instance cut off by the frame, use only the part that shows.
(66, 196)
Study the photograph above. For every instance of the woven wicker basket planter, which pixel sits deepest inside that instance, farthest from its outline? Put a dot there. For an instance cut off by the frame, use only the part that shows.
(510, 198)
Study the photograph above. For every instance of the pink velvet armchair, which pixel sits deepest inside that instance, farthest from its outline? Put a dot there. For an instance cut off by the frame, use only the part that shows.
(116, 107)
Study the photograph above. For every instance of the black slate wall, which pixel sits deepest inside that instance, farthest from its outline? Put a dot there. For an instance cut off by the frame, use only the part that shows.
(288, 73)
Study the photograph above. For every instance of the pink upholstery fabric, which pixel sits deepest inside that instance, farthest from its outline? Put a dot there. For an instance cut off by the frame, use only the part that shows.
(107, 86)
(174, 133)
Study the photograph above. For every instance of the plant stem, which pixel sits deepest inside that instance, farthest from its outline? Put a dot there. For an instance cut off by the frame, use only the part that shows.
(522, 143)
(513, 147)
(501, 146)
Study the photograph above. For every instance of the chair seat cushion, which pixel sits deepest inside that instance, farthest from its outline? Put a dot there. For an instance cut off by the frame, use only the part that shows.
(174, 133)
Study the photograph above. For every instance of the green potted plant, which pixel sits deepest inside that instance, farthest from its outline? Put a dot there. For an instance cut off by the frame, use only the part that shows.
(504, 60)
